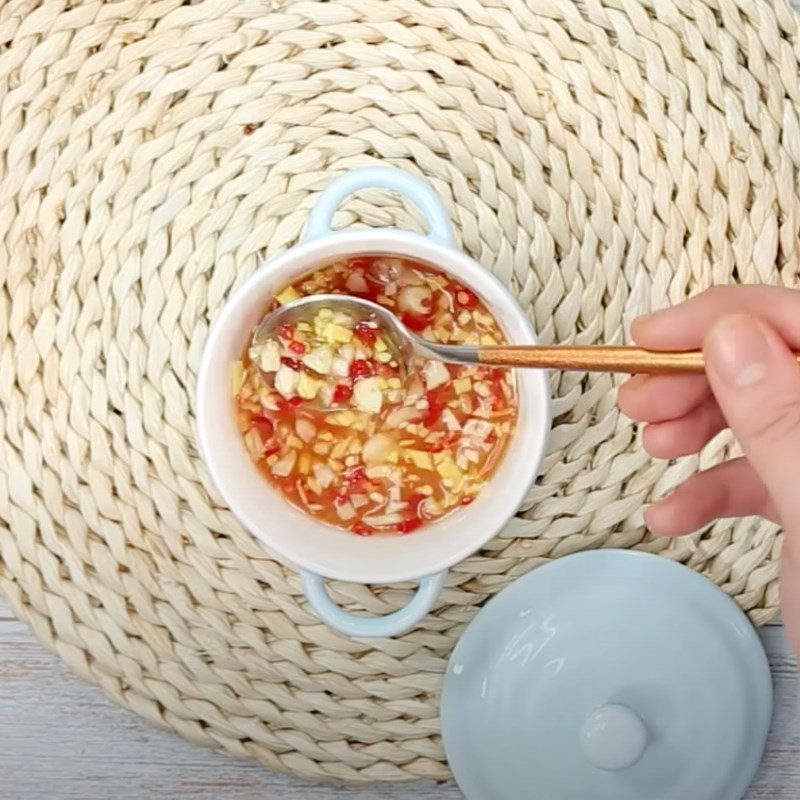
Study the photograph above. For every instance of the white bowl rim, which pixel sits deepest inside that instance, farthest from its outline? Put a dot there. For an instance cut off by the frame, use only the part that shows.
(378, 559)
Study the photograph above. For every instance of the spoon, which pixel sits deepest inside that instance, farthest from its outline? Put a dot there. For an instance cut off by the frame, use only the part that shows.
(594, 358)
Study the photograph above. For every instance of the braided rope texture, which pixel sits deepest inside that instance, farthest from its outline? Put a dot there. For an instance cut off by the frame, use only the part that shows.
(602, 157)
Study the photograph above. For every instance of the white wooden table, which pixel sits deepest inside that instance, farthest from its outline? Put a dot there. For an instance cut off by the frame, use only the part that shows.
(61, 739)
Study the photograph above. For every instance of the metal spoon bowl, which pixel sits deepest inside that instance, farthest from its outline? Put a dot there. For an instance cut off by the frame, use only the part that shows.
(405, 344)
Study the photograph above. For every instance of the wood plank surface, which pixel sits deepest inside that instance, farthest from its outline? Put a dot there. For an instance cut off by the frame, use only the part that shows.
(60, 739)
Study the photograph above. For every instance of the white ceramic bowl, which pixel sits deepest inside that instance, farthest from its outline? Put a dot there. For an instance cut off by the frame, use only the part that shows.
(320, 550)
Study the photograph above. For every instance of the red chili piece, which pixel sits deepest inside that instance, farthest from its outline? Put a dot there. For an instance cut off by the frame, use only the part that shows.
(433, 447)
(298, 347)
(414, 322)
(498, 398)
(263, 425)
(414, 502)
(341, 392)
(435, 408)
(359, 529)
(491, 373)
(292, 402)
(360, 368)
(271, 449)
(412, 522)
(467, 499)
(294, 363)
(286, 332)
(408, 525)
(367, 334)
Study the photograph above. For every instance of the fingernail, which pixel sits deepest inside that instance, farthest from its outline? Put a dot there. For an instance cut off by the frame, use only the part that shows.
(657, 516)
(738, 351)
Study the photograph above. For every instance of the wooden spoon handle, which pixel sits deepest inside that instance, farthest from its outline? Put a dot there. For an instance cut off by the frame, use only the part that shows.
(633, 360)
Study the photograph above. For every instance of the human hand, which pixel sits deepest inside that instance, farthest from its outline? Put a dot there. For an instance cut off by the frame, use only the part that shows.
(752, 386)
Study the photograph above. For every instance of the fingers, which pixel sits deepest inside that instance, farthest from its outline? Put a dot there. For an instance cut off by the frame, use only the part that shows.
(756, 381)
(658, 398)
(685, 435)
(684, 326)
(731, 489)
(682, 412)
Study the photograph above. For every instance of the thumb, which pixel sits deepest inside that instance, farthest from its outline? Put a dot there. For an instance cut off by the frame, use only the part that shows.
(756, 381)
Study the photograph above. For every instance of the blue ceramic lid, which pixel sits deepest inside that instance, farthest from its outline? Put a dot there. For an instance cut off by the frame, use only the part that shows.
(607, 675)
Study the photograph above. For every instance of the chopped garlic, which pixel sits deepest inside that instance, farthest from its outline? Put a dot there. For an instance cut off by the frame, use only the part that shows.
(346, 512)
(383, 520)
(288, 295)
(483, 389)
(367, 395)
(378, 448)
(356, 283)
(340, 449)
(382, 471)
(450, 421)
(324, 475)
(343, 418)
(334, 333)
(267, 356)
(320, 359)
(435, 374)
(416, 299)
(340, 318)
(237, 377)
(283, 466)
(286, 380)
(305, 428)
(307, 387)
(448, 470)
(477, 429)
(253, 443)
(462, 385)
(421, 459)
(339, 367)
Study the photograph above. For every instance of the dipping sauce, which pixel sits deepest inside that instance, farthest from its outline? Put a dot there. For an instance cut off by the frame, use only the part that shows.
(400, 447)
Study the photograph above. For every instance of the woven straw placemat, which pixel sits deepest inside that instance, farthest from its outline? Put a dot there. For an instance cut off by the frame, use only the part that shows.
(602, 157)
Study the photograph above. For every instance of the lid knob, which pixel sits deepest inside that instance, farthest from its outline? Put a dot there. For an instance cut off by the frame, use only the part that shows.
(613, 737)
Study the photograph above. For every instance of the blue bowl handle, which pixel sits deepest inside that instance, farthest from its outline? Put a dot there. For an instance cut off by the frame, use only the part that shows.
(368, 627)
(416, 190)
